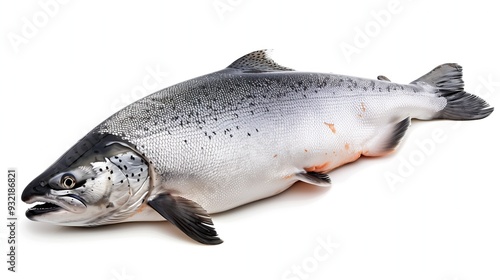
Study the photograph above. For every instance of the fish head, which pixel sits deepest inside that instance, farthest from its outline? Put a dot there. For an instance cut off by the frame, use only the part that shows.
(100, 180)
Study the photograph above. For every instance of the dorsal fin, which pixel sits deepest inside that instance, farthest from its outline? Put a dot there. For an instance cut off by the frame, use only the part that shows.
(257, 61)
(383, 78)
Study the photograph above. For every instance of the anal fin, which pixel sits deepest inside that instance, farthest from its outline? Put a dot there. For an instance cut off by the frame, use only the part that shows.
(387, 140)
(315, 178)
(188, 216)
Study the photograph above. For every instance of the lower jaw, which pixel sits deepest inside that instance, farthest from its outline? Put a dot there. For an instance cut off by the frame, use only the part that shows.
(35, 211)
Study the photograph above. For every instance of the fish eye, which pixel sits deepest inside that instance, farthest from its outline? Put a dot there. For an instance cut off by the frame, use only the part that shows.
(68, 181)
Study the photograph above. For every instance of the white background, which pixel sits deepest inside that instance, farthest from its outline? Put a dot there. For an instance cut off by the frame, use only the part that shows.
(89, 58)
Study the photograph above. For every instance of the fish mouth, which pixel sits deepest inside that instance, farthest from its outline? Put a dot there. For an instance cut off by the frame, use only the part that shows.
(37, 193)
(42, 208)
(46, 205)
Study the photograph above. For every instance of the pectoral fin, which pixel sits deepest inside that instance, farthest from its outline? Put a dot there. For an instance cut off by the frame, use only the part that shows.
(188, 216)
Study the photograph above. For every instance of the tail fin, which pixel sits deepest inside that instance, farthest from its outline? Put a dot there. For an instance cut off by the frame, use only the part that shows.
(447, 80)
